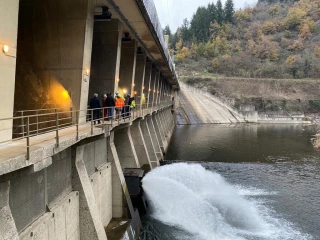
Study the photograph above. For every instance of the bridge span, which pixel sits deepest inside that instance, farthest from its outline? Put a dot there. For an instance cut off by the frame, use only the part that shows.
(61, 170)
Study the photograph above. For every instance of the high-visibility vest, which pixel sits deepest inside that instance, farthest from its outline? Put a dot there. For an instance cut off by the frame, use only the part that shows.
(119, 102)
(133, 104)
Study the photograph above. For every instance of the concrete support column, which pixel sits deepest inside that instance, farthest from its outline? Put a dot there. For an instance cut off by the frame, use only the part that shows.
(146, 85)
(156, 88)
(127, 67)
(8, 36)
(105, 60)
(121, 201)
(91, 226)
(158, 128)
(162, 123)
(154, 137)
(151, 86)
(125, 147)
(140, 144)
(139, 78)
(8, 228)
(149, 143)
(54, 54)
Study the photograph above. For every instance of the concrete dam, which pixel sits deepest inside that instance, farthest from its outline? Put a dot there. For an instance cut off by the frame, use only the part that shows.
(62, 161)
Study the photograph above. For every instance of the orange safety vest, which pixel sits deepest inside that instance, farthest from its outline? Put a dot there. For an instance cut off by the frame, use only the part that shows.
(119, 103)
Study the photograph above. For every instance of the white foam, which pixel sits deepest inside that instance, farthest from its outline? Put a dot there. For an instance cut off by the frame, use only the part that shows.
(204, 204)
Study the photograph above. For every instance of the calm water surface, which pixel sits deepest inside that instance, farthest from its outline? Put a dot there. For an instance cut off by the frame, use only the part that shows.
(273, 168)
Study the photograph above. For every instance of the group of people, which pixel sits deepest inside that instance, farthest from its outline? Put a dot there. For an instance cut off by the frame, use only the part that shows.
(122, 105)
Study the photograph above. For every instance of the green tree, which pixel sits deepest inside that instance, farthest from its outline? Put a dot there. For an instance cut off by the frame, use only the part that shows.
(220, 13)
(167, 30)
(185, 31)
(229, 11)
(200, 24)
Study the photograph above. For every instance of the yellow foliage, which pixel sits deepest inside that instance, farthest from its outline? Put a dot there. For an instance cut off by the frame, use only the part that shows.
(242, 15)
(182, 54)
(274, 55)
(316, 51)
(221, 44)
(215, 63)
(274, 10)
(269, 27)
(291, 60)
(305, 31)
(294, 17)
(179, 45)
(297, 45)
(209, 49)
(252, 47)
(226, 57)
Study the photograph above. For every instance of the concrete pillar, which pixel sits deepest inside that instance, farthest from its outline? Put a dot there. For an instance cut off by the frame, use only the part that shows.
(149, 143)
(91, 226)
(146, 85)
(127, 67)
(139, 78)
(154, 137)
(162, 126)
(156, 88)
(158, 129)
(140, 144)
(105, 59)
(125, 147)
(8, 36)
(121, 201)
(54, 54)
(8, 228)
(151, 87)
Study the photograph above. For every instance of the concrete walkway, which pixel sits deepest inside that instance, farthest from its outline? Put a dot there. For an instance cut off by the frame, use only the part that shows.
(13, 154)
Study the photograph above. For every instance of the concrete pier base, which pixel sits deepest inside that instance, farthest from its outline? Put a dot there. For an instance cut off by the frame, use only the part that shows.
(154, 137)
(140, 144)
(149, 143)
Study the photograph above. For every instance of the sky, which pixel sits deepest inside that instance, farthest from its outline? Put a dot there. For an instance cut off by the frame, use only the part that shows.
(172, 12)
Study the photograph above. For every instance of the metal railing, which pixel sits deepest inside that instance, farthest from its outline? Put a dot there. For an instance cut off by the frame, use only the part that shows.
(32, 123)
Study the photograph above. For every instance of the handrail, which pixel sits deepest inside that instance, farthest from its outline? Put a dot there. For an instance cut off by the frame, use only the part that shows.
(38, 124)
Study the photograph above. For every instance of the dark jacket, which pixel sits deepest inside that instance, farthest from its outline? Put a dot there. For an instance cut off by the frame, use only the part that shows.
(95, 103)
(110, 102)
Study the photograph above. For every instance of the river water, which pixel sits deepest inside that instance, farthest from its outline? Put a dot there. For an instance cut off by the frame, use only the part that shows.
(255, 182)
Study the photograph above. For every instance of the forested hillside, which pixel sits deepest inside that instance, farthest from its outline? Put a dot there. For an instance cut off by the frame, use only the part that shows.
(274, 39)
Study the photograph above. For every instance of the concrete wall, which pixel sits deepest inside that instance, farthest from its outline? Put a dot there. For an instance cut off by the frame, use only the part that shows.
(8, 36)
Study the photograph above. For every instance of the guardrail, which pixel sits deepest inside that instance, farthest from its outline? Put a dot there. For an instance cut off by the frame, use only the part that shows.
(32, 123)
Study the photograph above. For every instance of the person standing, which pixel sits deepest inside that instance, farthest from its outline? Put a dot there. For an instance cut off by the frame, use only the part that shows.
(105, 110)
(110, 104)
(95, 105)
(119, 104)
(127, 106)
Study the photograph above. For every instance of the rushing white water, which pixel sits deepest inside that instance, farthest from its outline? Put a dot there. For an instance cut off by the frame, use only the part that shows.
(203, 204)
